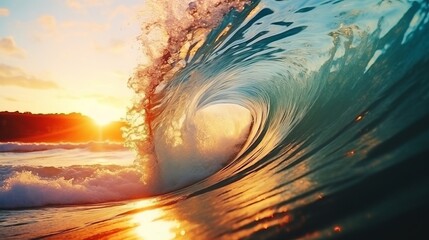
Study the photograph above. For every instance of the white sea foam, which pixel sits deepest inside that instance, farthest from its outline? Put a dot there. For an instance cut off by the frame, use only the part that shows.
(73, 185)
(34, 175)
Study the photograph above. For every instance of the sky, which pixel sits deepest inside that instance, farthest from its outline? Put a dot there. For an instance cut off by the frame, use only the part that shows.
(68, 56)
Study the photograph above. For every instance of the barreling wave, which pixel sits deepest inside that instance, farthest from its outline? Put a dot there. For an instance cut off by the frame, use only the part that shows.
(172, 33)
(265, 82)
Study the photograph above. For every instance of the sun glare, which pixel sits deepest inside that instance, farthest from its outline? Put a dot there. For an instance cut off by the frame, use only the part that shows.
(103, 119)
(101, 122)
(151, 225)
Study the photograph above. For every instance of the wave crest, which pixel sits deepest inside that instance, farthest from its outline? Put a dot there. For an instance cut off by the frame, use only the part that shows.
(171, 34)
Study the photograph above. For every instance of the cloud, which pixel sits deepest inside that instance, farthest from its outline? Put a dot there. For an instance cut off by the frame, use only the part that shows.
(81, 5)
(9, 47)
(53, 29)
(48, 22)
(99, 98)
(4, 12)
(122, 10)
(109, 100)
(115, 46)
(83, 27)
(9, 99)
(12, 76)
(74, 4)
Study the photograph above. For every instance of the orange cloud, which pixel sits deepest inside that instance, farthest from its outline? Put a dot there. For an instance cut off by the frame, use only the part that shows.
(83, 4)
(12, 76)
(114, 46)
(121, 10)
(9, 99)
(109, 100)
(84, 26)
(99, 98)
(4, 12)
(74, 4)
(9, 47)
(48, 22)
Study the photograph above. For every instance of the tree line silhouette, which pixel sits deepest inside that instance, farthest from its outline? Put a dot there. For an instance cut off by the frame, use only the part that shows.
(73, 127)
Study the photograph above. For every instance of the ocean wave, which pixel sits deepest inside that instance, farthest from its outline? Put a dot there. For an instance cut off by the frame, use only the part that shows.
(281, 81)
(26, 186)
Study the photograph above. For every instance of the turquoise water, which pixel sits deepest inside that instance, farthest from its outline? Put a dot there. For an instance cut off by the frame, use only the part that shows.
(323, 131)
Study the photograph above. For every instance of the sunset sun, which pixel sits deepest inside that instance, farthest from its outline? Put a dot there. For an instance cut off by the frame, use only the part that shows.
(101, 121)
(102, 118)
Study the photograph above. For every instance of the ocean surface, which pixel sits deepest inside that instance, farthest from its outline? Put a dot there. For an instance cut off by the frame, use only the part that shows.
(252, 120)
